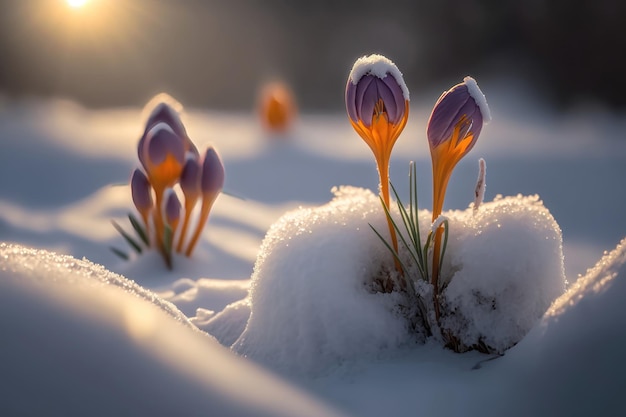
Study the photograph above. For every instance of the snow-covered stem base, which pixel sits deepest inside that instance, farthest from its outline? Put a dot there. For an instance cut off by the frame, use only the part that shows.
(313, 295)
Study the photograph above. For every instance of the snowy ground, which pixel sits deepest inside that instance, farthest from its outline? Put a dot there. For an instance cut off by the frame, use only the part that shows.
(62, 176)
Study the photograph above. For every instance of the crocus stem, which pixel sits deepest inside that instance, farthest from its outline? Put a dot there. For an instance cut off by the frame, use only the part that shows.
(189, 204)
(383, 171)
(435, 275)
(159, 225)
(207, 203)
(145, 216)
(442, 170)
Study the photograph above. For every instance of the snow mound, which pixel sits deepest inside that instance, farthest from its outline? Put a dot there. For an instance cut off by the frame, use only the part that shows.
(312, 302)
(505, 266)
(48, 267)
(310, 306)
(572, 362)
(78, 340)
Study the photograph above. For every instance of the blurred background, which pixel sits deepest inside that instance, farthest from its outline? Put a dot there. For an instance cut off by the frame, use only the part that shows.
(216, 54)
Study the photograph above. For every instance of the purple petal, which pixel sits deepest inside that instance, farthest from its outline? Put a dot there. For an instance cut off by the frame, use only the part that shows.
(398, 96)
(477, 125)
(212, 180)
(386, 94)
(351, 100)
(172, 207)
(164, 113)
(446, 114)
(363, 88)
(161, 142)
(190, 178)
(141, 191)
(370, 98)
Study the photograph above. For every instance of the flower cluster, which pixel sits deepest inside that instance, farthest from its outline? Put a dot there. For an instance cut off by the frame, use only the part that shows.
(377, 103)
(169, 158)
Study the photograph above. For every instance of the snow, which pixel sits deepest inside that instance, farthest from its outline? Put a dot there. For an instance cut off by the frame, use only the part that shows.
(481, 184)
(312, 300)
(79, 340)
(380, 66)
(498, 301)
(310, 304)
(479, 97)
(287, 274)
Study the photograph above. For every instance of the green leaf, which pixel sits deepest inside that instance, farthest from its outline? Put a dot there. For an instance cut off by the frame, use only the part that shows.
(119, 253)
(125, 235)
(166, 248)
(391, 249)
(139, 229)
(445, 242)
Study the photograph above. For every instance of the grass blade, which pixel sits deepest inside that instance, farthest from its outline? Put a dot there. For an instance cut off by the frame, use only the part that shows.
(395, 226)
(391, 249)
(127, 237)
(141, 232)
(123, 255)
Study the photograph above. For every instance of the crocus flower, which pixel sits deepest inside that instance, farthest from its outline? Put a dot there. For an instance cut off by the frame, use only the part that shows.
(453, 128)
(163, 109)
(277, 107)
(190, 186)
(171, 210)
(142, 196)
(377, 101)
(211, 184)
(163, 156)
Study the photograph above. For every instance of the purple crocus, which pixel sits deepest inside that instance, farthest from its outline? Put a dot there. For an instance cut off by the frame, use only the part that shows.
(142, 196)
(190, 186)
(172, 209)
(212, 180)
(377, 102)
(163, 156)
(164, 112)
(453, 128)
(211, 184)
(372, 97)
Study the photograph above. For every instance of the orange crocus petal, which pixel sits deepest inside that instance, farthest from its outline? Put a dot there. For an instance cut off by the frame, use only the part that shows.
(444, 158)
(165, 174)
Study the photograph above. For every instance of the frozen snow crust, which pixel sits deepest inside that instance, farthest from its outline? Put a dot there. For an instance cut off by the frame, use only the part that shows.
(312, 304)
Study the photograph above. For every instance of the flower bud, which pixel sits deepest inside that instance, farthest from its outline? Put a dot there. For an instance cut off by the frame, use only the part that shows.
(190, 178)
(172, 208)
(163, 156)
(458, 116)
(141, 191)
(277, 107)
(453, 128)
(212, 180)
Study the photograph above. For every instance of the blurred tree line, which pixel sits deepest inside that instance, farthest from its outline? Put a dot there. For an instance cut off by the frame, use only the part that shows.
(216, 53)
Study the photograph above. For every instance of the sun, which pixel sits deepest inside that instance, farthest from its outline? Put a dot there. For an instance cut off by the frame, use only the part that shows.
(76, 3)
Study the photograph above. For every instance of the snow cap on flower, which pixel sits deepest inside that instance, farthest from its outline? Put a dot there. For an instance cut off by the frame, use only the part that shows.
(212, 180)
(141, 191)
(375, 86)
(461, 112)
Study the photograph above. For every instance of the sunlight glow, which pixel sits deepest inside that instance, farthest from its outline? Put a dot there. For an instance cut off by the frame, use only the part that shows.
(76, 3)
